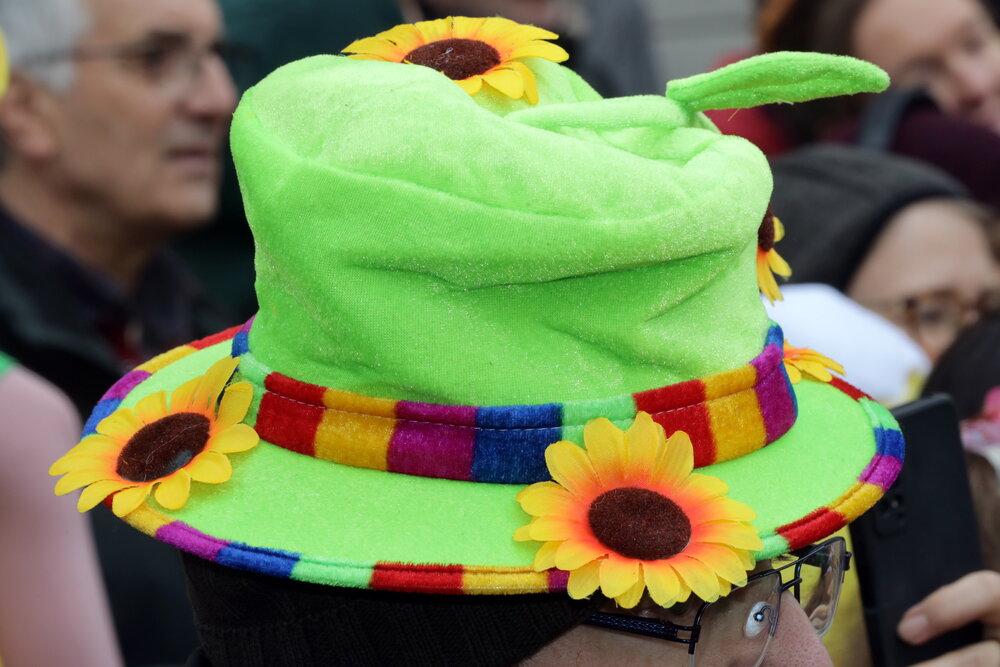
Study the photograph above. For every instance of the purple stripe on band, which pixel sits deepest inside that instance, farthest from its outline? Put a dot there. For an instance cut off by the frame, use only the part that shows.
(119, 390)
(777, 406)
(186, 538)
(882, 471)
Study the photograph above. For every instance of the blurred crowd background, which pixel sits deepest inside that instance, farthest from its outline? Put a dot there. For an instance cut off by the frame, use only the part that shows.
(122, 232)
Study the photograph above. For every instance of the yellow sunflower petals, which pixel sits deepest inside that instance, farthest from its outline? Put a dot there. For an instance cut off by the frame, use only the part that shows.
(606, 447)
(97, 492)
(234, 439)
(209, 467)
(545, 557)
(472, 85)
(766, 283)
(548, 528)
(664, 586)
(180, 400)
(645, 441)
(815, 369)
(746, 559)
(740, 536)
(79, 478)
(212, 383)
(679, 459)
(570, 466)
(723, 561)
(507, 81)
(464, 27)
(406, 37)
(618, 575)
(120, 424)
(433, 31)
(152, 407)
(95, 445)
(701, 580)
(538, 49)
(584, 581)
(523, 534)
(779, 229)
(698, 488)
(793, 373)
(573, 554)
(544, 498)
(778, 265)
(376, 49)
(530, 84)
(631, 597)
(71, 462)
(727, 508)
(127, 501)
(524, 32)
(235, 403)
(173, 492)
(725, 587)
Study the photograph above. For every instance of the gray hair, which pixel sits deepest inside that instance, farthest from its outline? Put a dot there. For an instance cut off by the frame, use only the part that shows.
(37, 28)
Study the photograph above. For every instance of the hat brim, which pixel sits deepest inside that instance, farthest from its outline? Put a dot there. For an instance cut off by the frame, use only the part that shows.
(290, 515)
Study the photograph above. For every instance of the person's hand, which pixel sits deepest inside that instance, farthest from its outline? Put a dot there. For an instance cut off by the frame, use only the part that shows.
(974, 597)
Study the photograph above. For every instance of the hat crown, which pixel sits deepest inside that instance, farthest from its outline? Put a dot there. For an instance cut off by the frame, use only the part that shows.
(417, 243)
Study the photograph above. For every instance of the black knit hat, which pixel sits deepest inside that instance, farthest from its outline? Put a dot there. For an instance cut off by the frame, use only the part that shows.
(835, 200)
(246, 619)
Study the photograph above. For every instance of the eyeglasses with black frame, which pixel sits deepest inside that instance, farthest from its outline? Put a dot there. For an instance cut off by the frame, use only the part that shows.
(747, 618)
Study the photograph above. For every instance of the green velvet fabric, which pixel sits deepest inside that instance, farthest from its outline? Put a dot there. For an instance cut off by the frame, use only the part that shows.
(417, 243)
(6, 363)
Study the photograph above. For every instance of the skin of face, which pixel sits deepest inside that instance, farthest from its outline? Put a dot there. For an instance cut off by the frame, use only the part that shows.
(125, 145)
(928, 246)
(951, 48)
(795, 642)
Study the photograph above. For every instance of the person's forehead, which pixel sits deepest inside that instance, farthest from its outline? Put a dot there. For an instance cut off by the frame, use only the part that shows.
(907, 30)
(130, 20)
(934, 246)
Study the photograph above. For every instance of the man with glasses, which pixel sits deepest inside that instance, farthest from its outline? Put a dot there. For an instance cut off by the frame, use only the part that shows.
(111, 142)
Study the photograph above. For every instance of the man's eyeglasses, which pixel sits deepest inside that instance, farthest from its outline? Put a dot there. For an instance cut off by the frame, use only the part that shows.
(744, 622)
(169, 61)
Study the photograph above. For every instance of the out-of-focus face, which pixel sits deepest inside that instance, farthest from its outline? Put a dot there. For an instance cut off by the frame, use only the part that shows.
(927, 270)
(951, 48)
(140, 136)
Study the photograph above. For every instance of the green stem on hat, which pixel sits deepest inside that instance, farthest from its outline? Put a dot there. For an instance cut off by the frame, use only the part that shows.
(786, 76)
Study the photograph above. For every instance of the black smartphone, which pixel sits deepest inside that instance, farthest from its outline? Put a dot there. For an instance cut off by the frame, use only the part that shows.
(920, 536)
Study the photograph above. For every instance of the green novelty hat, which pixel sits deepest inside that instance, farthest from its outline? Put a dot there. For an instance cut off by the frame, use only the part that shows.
(454, 277)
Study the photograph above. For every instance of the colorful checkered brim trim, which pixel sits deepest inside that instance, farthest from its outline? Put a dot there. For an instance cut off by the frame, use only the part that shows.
(726, 415)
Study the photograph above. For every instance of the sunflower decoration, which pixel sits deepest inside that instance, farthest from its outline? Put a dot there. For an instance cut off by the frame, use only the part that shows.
(627, 514)
(802, 360)
(769, 262)
(162, 445)
(470, 51)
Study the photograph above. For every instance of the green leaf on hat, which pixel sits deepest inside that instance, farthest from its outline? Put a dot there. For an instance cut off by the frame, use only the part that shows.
(786, 76)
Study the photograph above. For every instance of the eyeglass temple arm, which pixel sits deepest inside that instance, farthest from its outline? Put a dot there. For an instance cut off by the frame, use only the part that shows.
(649, 627)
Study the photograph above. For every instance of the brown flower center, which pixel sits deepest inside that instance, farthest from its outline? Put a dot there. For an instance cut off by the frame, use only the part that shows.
(639, 523)
(765, 233)
(163, 447)
(456, 58)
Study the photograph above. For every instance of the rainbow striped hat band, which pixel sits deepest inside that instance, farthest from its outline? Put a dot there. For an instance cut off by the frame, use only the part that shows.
(510, 338)
(463, 467)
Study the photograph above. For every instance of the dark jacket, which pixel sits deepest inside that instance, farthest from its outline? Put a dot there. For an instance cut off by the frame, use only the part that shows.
(80, 332)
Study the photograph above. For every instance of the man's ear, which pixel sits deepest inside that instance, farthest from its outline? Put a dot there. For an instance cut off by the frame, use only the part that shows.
(27, 119)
